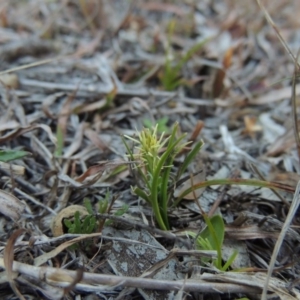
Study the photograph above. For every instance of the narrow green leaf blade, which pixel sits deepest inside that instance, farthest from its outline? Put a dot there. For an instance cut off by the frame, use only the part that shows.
(60, 141)
(68, 223)
(88, 205)
(8, 155)
(189, 158)
(141, 194)
(121, 211)
(230, 260)
(77, 222)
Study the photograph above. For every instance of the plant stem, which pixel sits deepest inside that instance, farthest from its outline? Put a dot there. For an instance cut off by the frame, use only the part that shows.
(236, 181)
(159, 167)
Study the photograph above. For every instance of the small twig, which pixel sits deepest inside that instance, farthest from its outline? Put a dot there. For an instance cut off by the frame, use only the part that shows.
(217, 202)
(103, 90)
(35, 64)
(92, 282)
(271, 22)
(24, 183)
(292, 211)
(101, 224)
(294, 109)
(82, 237)
(33, 200)
(134, 224)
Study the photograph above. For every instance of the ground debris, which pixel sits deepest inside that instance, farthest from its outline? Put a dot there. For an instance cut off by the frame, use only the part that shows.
(75, 76)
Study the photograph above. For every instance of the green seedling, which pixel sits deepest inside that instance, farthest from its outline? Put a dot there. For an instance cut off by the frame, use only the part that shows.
(155, 158)
(105, 207)
(211, 238)
(170, 77)
(119, 212)
(161, 125)
(81, 225)
(9, 155)
(103, 204)
(153, 164)
(89, 223)
(110, 97)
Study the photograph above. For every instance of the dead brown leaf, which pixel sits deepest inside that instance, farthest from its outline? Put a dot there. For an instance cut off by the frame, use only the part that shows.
(95, 139)
(251, 125)
(77, 279)
(89, 48)
(99, 169)
(282, 144)
(46, 256)
(65, 112)
(20, 131)
(218, 84)
(9, 259)
(10, 80)
(11, 206)
(197, 130)
(15, 169)
(249, 232)
(57, 226)
(49, 101)
(89, 107)
(275, 96)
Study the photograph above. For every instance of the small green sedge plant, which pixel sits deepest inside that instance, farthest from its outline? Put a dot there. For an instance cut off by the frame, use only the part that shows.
(155, 161)
(212, 238)
(80, 225)
(89, 223)
(170, 77)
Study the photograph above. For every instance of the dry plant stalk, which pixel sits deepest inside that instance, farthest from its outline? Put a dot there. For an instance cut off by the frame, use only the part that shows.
(292, 211)
(92, 282)
(8, 260)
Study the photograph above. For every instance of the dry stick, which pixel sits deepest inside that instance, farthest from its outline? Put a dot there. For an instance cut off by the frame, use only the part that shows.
(217, 202)
(294, 110)
(33, 200)
(90, 281)
(102, 89)
(35, 64)
(25, 184)
(121, 220)
(271, 22)
(101, 224)
(295, 202)
(285, 227)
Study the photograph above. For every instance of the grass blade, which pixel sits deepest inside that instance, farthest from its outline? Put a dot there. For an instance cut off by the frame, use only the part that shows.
(189, 159)
(8, 155)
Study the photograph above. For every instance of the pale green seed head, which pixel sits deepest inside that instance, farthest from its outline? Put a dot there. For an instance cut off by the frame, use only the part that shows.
(147, 141)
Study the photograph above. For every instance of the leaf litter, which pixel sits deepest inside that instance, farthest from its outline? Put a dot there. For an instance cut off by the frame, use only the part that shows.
(79, 76)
